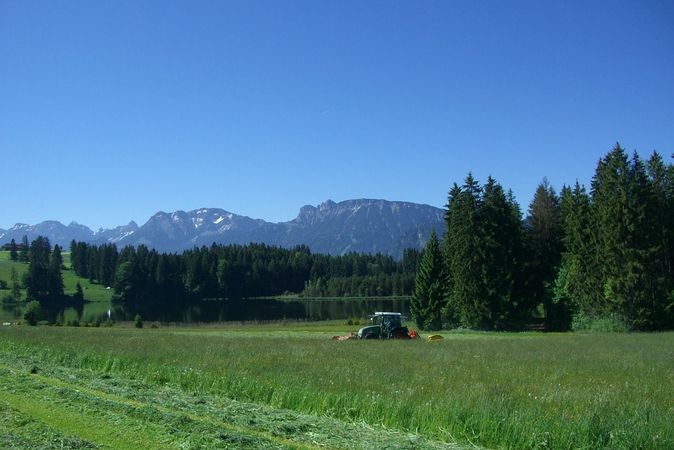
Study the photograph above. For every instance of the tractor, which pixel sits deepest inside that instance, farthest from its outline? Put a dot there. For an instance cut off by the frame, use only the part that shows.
(385, 325)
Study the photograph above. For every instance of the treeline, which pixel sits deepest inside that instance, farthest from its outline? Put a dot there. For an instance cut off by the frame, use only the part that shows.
(358, 275)
(144, 279)
(43, 280)
(603, 256)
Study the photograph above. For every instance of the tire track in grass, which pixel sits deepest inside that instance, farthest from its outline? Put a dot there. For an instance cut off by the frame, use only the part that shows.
(135, 430)
(82, 425)
(177, 414)
(19, 431)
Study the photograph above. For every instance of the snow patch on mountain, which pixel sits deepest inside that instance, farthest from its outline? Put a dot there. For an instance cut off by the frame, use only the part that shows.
(363, 225)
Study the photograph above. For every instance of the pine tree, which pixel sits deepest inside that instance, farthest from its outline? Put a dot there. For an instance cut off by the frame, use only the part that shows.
(501, 235)
(23, 251)
(578, 283)
(629, 238)
(544, 245)
(37, 278)
(13, 253)
(484, 253)
(55, 275)
(449, 312)
(661, 179)
(610, 187)
(464, 255)
(430, 294)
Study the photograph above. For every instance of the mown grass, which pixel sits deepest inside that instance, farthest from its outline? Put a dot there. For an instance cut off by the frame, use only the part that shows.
(92, 292)
(57, 406)
(494, 390)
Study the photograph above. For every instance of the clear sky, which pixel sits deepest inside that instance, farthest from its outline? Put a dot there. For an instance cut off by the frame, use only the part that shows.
(113, 110)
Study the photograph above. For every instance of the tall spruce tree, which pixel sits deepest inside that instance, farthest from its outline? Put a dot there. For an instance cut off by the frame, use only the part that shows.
(13, 253)
(628, 237)
(578, 282)
(449, 312)
(464, 255)
(501, 235)
(37, 278)
(430, 294)
(661, 178)
(484, 253)
(55, 275)
(544, 249)
(23, 250)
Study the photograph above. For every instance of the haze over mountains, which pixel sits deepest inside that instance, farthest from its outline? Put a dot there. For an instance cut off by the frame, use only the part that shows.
(364, 225)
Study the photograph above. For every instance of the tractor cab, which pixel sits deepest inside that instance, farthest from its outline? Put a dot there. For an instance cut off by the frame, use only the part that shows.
(385, 325)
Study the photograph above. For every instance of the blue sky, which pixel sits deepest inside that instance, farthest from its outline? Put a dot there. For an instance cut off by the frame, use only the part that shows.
(113, 110)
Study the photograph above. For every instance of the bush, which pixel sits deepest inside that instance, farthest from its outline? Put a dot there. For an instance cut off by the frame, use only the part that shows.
(3, 284)
(32, 313)
(138, 321)
(8, 298)
(606, 323)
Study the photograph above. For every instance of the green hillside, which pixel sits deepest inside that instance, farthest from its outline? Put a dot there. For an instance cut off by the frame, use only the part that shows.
(92, 292)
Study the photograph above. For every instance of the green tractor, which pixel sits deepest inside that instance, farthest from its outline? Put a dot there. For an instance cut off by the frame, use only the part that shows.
(385, 325)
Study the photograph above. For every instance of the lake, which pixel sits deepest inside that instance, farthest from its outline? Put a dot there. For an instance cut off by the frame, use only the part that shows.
(229, 310)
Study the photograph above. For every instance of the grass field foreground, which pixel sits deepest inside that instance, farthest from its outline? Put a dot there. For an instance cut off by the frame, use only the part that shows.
(493, 390)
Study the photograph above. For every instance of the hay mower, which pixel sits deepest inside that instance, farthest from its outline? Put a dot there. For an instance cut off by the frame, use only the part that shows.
(386, 325)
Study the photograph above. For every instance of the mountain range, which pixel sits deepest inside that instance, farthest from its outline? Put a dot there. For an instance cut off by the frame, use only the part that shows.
(364, 225)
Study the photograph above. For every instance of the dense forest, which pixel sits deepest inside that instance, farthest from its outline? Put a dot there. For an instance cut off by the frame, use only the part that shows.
(145, 279)
(580, 259)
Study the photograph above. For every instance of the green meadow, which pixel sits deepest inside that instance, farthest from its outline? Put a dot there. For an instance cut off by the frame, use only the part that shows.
(291, 386)
(92, 292)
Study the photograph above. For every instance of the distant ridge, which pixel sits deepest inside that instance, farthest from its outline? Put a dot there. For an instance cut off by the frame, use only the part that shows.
(363, 225)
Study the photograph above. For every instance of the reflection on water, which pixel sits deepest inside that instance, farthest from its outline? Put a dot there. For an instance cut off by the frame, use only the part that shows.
(227, 310)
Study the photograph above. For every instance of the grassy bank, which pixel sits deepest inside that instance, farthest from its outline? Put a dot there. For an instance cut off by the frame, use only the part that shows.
(494, 390)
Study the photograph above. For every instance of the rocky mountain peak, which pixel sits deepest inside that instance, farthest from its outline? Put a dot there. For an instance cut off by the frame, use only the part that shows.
(362, 225)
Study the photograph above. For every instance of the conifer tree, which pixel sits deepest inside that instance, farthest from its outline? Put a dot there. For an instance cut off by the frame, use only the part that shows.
(629, 239)
(578, 282)
(430, 293)
(37, 278)
(544, 245)
(484, 253)
(661, 179)
(23, 251)
(465, 255)
(13, 253)
(55, 275)
(501, 236)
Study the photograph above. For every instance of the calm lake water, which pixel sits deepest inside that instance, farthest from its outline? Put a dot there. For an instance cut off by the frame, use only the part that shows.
(229, 310)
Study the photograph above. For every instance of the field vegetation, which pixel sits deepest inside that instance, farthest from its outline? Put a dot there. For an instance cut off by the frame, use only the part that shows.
(290, 386)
